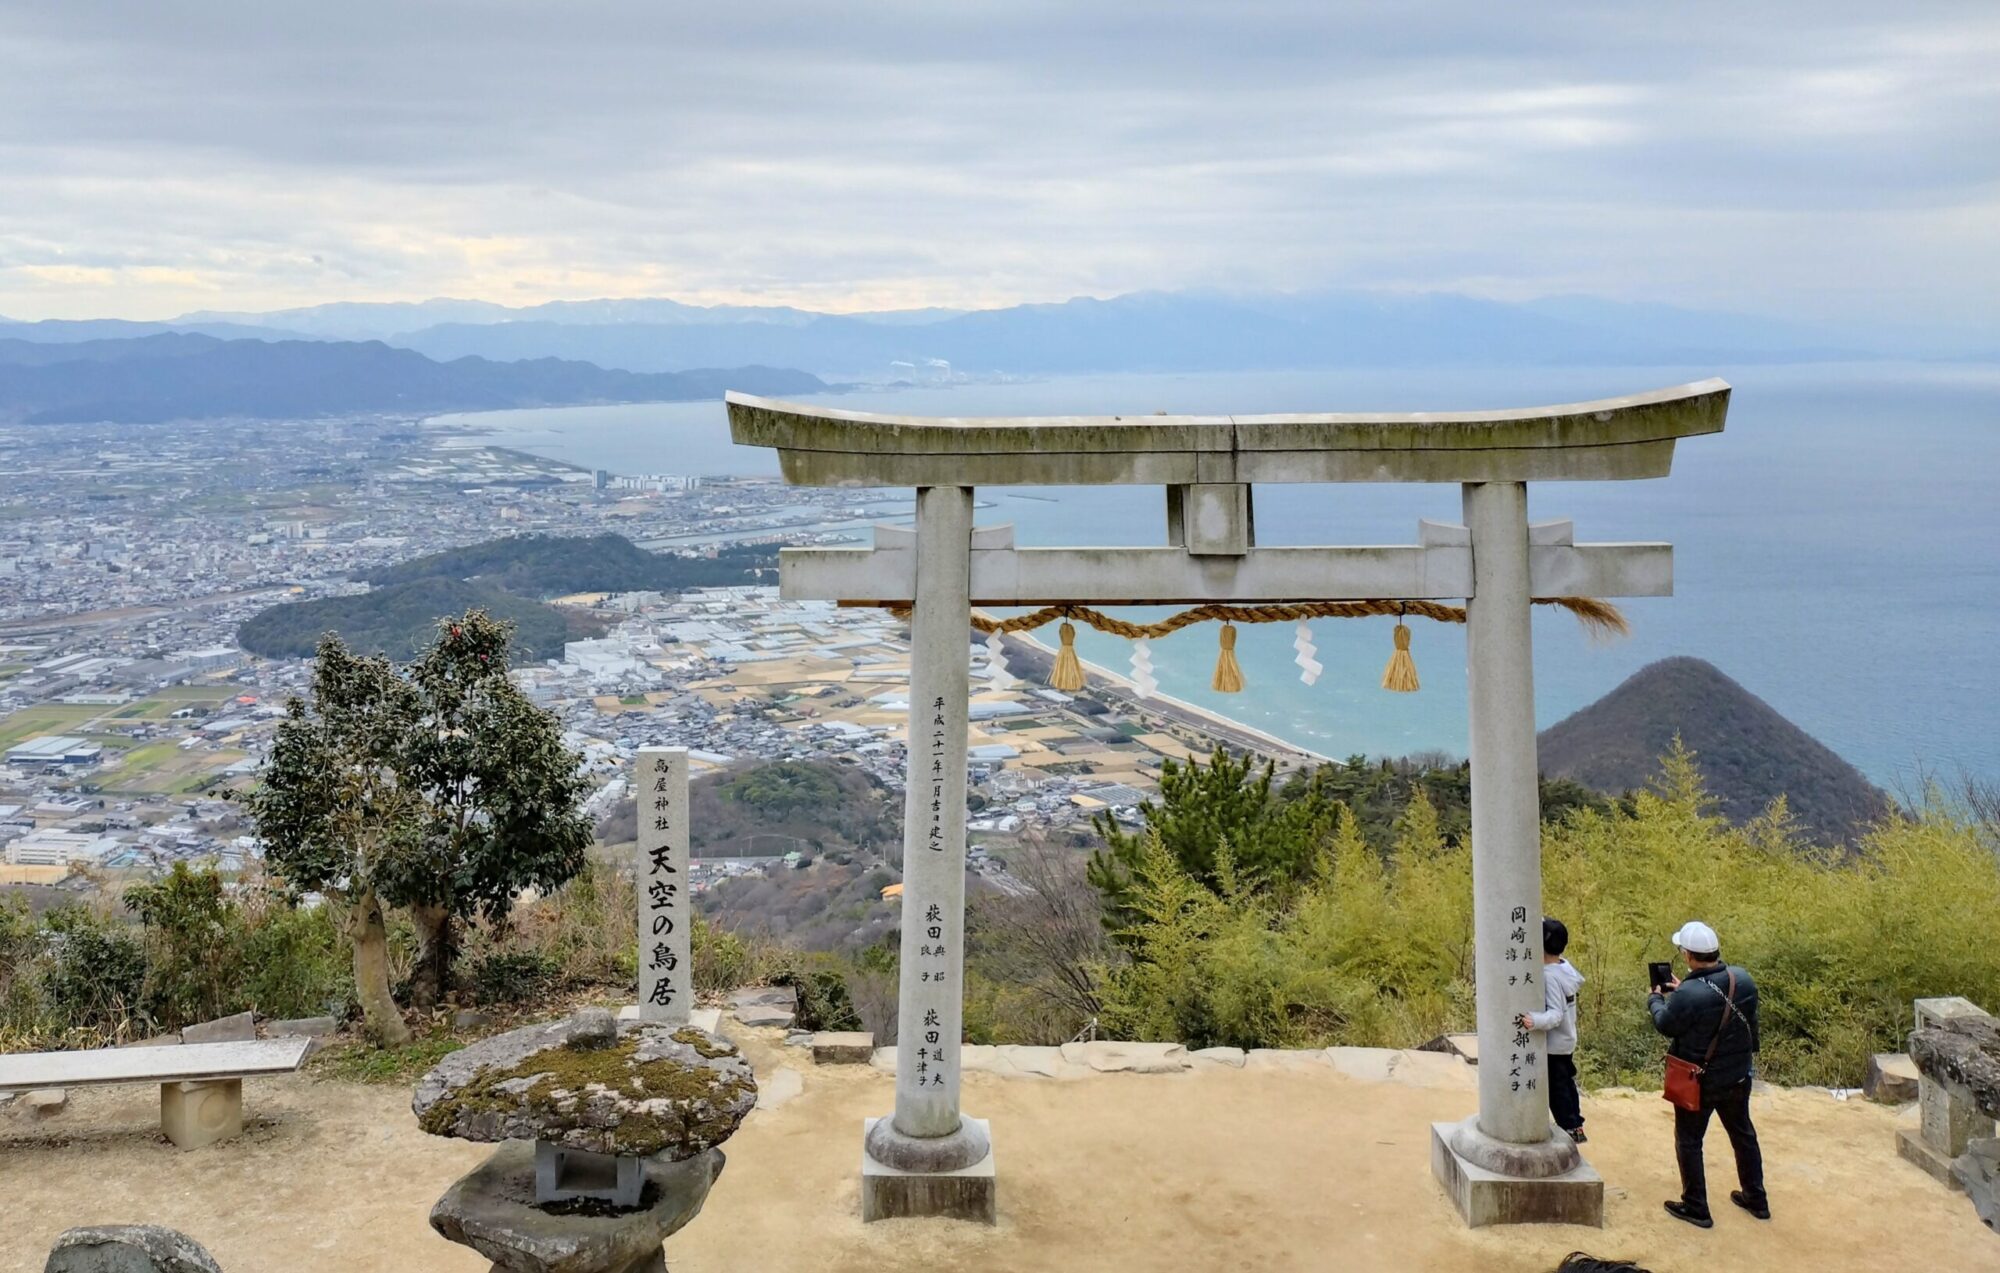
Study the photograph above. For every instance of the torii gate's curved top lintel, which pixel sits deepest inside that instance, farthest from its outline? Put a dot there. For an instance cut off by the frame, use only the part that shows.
(1611, 438)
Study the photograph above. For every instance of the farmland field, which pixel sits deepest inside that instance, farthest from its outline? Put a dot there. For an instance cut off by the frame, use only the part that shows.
(165, 768)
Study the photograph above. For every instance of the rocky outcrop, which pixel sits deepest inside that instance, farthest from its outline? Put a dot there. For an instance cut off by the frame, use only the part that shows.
(592, 1084)
(127, 1248)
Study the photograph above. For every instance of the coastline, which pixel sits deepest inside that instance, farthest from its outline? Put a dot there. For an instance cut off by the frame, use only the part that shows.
(1224, 728)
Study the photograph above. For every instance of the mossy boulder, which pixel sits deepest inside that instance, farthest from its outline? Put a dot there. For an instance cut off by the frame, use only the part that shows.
(634, 1089)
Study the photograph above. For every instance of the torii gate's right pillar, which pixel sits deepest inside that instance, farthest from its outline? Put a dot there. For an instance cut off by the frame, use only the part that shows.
(1507, 1164)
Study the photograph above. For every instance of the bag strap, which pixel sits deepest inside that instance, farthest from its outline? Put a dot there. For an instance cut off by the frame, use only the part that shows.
(1728, 1009)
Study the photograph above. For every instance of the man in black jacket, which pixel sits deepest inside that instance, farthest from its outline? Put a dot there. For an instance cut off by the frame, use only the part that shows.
(1712, 1019)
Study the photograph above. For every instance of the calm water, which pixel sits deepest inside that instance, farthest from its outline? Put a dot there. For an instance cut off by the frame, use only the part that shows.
(1837, 549)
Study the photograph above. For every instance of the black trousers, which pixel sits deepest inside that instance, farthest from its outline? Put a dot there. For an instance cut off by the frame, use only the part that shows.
(1732, 1106)
(1565, 1103)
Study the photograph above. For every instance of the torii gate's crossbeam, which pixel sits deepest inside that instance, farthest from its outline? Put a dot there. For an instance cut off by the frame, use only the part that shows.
(1608, 439)
(1437, 568)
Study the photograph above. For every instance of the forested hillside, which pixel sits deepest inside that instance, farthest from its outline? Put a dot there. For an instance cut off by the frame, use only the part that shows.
(400, 619)
(552, 565)
(509, 579)
(770, 808)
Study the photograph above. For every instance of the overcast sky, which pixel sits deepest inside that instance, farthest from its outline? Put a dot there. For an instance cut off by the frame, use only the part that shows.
(1796, 157)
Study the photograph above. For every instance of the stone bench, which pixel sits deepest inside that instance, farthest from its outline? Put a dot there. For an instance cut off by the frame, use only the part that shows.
(201, 1084)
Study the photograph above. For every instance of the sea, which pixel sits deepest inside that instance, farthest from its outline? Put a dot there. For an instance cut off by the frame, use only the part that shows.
(1836, 548)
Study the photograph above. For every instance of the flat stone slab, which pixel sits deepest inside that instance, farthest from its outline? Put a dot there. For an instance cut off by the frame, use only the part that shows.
(492, 1210)
(189, 1063)
(240, 1028)
(1485, 1197)
(766, 996)
(1286, 1059)
(778, 1087)
(1912, 1148)
(302, 1028)
(843, 1047)
(127, 1248)
(1107, 1057)
(589, 1083)
(981, 1058)
(45, 1101)
(1936, 1011)
(1891, 1080)
(767, 1016)
(969, 1193)
(1233, 1058)
(1021, 1060)
(1410, 1067)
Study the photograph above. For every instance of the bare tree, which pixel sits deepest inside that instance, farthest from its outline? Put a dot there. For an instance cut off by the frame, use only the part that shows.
(1047, 939)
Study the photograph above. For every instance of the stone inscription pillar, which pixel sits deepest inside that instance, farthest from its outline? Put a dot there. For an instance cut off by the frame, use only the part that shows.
(1506, 816)
(926, 1137)
(666, 910)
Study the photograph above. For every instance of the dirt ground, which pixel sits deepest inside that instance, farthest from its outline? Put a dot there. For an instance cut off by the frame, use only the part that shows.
(1214, 1169)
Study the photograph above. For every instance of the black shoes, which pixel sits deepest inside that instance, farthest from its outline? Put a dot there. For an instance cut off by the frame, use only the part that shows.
(1578, 1136)
(1702, 1220)
(1762, 1210)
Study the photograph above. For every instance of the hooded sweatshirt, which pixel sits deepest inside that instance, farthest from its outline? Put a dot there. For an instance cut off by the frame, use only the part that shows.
(1560, 983)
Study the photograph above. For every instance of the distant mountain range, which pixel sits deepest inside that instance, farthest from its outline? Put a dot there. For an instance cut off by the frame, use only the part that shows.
(1145, 331)
(172, 375)
(1748, 753)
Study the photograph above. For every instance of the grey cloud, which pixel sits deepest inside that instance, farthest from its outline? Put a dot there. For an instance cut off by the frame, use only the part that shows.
(1794, 157)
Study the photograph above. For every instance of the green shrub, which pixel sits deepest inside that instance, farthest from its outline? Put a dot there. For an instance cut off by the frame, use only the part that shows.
(194, 947)
(296, 964)
(721, 958)
(824, 1001)
(517, 976)
(94, 980)
(1377, 952)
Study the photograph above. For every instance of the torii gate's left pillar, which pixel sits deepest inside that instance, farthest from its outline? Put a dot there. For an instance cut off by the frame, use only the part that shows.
(927, 1159)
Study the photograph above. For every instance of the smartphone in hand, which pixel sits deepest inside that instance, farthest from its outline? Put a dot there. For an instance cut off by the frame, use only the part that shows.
(1659, 974)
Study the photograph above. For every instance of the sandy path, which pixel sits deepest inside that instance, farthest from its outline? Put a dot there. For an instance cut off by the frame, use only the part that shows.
(1218, 1169)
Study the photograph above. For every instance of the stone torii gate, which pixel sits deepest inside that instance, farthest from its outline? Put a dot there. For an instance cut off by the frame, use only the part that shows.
(1507, 1163)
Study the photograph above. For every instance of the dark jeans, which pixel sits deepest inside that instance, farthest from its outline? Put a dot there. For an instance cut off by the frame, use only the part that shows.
(1732, 1106)
(1564, 1102)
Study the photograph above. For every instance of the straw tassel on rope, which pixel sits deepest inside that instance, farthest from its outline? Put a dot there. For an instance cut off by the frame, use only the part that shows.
(1401, 674)
(1228, 675)
(1067, 674)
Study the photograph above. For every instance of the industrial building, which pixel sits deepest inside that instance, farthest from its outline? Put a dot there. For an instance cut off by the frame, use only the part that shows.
(53, 752)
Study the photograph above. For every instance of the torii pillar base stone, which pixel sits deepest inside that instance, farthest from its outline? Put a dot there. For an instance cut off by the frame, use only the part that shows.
(964, 1193)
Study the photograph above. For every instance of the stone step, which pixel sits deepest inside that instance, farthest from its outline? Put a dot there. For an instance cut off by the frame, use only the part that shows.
(1892, 1079)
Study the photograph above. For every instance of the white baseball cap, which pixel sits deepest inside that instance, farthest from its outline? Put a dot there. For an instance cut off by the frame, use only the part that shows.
(1698, 937)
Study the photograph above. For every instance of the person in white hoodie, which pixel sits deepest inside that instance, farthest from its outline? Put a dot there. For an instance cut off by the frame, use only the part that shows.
(1560, 983)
